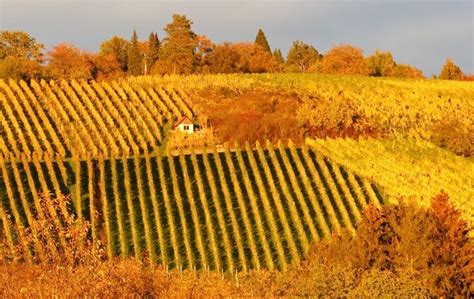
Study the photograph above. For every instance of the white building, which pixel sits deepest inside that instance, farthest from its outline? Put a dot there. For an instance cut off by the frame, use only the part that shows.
(184, 124)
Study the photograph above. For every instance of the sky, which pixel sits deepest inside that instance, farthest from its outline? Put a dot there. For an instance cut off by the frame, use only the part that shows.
(422, 33)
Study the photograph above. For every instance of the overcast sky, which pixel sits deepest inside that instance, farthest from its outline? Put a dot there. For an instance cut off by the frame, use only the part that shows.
(418, 32)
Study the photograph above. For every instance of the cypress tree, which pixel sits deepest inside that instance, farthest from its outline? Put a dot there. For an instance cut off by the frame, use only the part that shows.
(135, 58)
(261, 40)
(152, 50)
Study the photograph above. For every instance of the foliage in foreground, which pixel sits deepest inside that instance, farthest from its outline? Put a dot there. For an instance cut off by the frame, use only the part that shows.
(400, 250)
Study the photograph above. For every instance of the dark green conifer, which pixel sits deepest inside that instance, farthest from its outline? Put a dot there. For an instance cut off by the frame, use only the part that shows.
(261, 40)
(135, 57)
(152, 50)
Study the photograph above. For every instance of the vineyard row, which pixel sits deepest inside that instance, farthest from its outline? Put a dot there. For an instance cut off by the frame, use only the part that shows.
(244, 209)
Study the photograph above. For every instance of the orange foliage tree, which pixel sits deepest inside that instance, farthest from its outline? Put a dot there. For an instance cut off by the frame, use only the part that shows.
(68, 62)
(431, 245)
(344, 60)
(104, 67)
(239, 58)
(406, 71)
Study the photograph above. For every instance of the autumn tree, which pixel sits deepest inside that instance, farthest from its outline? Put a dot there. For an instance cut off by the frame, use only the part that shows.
(204, 48)
(255, 59)
(301, 57)
(20, 56)
(104, 66)
(20, 44)
(223, 59)
(344, 60)
(451, 71)
(118, 47)
(262, 41)
(152, 51)
(177, 53)
(278, 58)
(381, 64)
(430, 244)
(406, 71)
(20, 69)
(68, 62)
(135, 56)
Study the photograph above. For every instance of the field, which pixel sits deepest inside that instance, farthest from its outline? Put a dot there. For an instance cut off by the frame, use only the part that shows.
(78, 119)
(249, 209)
(405, 168)
(226, 207)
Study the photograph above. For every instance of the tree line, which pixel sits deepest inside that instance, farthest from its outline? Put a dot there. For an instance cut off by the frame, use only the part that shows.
(182, 51)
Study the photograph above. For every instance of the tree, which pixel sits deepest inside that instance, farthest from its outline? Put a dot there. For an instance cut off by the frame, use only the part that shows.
(406, 71)
(301, 57)
(432, 245)
(104, 67)
(153, 48)
(68, 62)
(381, 64)
(278, 56)
(20, 44)
(20, 69)
(240, 58)
(344, 60)
(223, 59)
(135, 56)
(262, 41)
(451, 71)
(118, 47)
(261, 61)
(178, 50)
(205, 47)
(279, 60)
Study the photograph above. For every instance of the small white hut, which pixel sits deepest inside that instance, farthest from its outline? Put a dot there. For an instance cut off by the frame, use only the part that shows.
(184, 124)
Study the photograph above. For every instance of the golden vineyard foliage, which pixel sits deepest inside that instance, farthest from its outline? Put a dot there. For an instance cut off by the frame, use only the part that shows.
(120, 118)
(239, 209)
(406, 168)
(80, 119)
(388, 106)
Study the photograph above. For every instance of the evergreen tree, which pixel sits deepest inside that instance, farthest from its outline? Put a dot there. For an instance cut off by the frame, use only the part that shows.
(135, 57)
(178, 50)
(261, 40)
(152, 50)
(451, 71)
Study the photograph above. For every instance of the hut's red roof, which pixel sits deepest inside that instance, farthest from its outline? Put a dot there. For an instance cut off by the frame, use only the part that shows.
(183, 121)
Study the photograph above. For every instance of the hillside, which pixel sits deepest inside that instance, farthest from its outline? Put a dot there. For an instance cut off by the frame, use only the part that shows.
(120, 118)
(236, 210)
(406, 168)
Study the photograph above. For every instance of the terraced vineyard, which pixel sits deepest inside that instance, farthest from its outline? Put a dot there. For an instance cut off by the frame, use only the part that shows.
(80, 119)
(406, 167)
(231, 210)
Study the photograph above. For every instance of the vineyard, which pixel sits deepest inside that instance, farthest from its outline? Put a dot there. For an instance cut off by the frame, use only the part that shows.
(222, 208)
(409, 107)
(80, 119)
(406, 168)
(232, 210)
